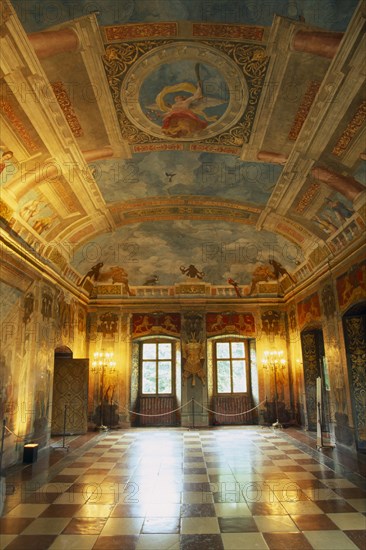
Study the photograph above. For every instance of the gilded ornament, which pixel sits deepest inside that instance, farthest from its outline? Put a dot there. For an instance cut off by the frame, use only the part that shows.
(67, 108)
(353, 127)
(304, 109)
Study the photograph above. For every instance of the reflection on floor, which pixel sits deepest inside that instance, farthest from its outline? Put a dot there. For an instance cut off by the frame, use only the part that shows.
(225, 488)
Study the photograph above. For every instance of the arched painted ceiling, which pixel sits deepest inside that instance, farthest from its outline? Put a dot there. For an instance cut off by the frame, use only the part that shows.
(157, 134)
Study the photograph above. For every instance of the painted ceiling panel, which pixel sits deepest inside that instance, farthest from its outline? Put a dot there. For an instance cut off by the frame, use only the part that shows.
(220, 250)
(185, 173)
(333, 15)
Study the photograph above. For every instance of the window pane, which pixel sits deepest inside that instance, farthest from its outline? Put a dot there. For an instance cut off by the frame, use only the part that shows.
(239, 379)
(165, 377)
(223, 377)
(149, 351)
(237, 349)
(223, 349)
(148, 377)
(165, 351)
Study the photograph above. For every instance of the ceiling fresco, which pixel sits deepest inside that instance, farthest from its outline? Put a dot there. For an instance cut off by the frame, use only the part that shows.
(333, 15)
(169, 173)
(219, 251)
(155, 135)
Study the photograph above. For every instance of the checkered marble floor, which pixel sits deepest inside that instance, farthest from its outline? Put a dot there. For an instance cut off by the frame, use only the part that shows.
(226, 488)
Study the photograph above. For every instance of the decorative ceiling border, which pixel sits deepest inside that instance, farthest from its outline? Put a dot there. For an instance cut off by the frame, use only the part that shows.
(233, 32)
(193, 208)
(304, 109)
(165, 29)
(352, 129)
(9, 112)
(134, 31)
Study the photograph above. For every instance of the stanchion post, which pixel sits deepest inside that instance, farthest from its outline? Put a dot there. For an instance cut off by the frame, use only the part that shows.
(2, 444)
(63, 446)
(193, 412)
(64, 434)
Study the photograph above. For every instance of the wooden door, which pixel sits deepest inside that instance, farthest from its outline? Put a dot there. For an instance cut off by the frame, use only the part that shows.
(70, 396)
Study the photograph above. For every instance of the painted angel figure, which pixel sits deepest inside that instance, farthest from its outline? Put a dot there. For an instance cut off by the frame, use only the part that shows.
(186, 116)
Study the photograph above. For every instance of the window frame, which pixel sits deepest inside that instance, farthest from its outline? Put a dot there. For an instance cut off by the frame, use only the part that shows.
(246, 358)
(156, 341)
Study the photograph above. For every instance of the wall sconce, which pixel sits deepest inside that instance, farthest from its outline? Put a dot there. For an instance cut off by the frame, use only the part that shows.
(103, 362)
(274, 360)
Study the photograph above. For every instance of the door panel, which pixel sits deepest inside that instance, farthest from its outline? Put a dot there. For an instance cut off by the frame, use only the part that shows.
(311, 356)
(70, 389)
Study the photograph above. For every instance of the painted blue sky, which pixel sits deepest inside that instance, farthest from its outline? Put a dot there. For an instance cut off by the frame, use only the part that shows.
(219, 249)
(206, 174)
(40, 14)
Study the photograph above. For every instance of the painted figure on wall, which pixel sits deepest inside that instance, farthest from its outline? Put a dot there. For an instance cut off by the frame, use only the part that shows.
(169, 324)
(192, 272)
(339, 210)
(43, 224)
(351, 286)
(108, 324)
(329, 302)
(279, 270)
(151, 281)
(156, 323)
(7, 168)
(30, 209)
(93, 273)
(261, 273)
(28, 307)
(143, 324)
(46, 308)
(308, 310)
(81, 321)
(242, 323)
(325, 225)
(235, 284)
(193, 358)
(271, 322)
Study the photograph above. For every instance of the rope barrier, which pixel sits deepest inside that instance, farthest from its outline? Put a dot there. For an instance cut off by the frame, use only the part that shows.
(160, 414)
(203, 407)
(232, 414)
(23, 437)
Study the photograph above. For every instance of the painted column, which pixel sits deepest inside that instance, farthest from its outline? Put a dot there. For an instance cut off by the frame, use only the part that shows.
(320, 43)
(194, 385)
(346, 185)
(49, 43)
(274, 158)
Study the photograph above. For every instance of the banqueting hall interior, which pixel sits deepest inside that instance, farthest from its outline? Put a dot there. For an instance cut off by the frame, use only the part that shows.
(183, 275)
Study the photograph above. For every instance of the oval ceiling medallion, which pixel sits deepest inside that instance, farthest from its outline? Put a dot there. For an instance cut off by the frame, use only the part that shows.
(184, 91)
